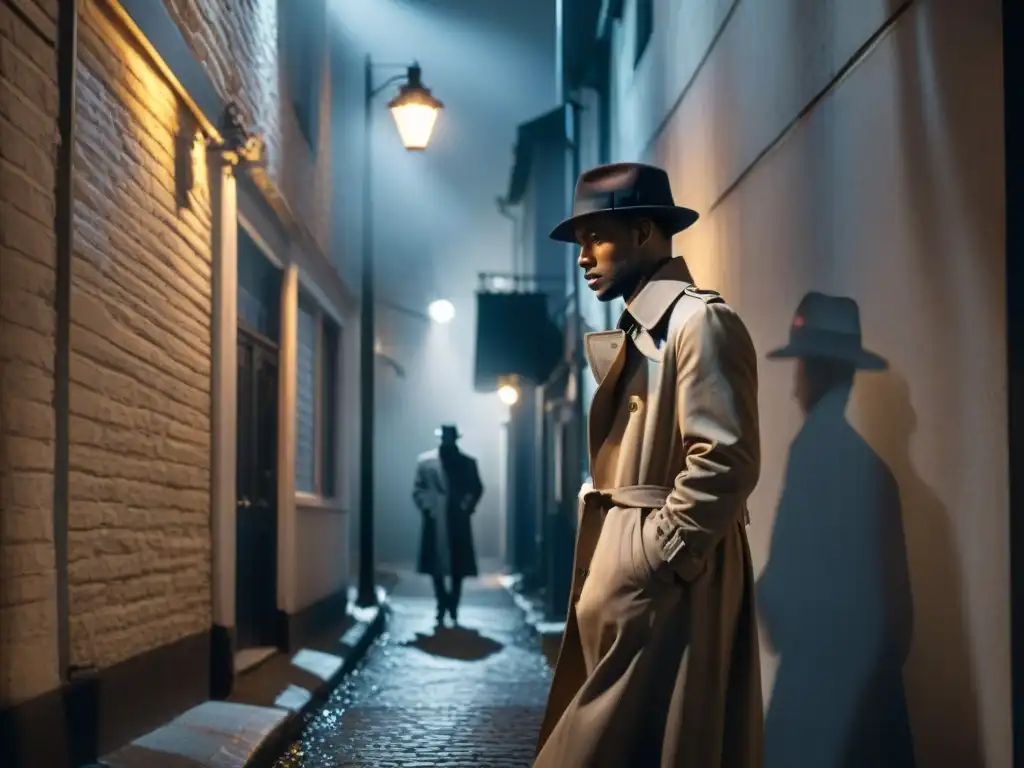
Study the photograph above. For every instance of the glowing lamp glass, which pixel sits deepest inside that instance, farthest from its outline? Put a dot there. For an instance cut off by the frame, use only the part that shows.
(441, 311)
(508, 394)
(415, 113)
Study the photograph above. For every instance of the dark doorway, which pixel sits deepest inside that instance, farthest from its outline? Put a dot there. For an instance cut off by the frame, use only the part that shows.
(256, 523)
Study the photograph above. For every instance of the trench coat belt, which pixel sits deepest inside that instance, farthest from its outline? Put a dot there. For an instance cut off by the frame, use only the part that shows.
(627, 496)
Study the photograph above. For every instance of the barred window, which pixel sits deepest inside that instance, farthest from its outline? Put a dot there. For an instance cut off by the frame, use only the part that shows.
(316, 402)
(305, 401)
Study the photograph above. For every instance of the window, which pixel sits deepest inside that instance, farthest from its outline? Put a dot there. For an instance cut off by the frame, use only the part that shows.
(316, 395)
(305, 402)
(259, 288)
(301, 29)
(644, 27)
(329, 388)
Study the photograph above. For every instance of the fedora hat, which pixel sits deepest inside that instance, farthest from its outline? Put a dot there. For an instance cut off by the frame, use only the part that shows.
(828, 327)
(449, 431)
(625, 188)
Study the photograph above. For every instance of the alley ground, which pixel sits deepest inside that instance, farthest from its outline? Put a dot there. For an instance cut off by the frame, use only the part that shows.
(465, 697)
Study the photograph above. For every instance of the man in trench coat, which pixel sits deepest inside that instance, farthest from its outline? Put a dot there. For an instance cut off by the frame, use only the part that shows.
(659, 661)
(446, 491)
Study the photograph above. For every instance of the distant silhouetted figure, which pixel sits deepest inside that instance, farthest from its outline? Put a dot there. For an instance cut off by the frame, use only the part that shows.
(447, 490)
(835, 596)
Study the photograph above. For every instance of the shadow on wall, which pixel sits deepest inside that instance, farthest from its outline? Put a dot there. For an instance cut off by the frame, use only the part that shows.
(184, 147)
(835, 596)
(940, 680)
(951, 145)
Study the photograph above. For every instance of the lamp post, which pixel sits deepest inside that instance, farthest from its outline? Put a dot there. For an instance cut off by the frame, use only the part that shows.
(440, 312)
(415, 112)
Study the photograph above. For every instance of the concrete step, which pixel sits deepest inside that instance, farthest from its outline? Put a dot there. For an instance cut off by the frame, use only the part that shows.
(266, 710)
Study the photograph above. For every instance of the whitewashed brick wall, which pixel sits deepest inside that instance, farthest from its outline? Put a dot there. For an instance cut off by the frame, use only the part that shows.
(28, 126)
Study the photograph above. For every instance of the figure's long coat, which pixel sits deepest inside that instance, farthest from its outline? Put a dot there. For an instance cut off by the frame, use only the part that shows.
(447, 496)
(659, 663)
(836, 604)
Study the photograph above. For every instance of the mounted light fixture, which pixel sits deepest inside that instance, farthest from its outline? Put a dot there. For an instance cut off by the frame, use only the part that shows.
(238, 143)
(415, 111)
(508, 390)
(441, 311)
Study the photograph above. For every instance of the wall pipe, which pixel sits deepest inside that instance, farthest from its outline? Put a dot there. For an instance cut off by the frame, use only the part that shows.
(80, 687)
(582, 448)
(67, 66)
(503, 208)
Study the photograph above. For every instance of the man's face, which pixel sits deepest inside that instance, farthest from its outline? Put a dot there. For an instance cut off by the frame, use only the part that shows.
(610, 254)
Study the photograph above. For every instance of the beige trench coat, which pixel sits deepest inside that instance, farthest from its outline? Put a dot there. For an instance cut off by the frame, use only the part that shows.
(659, 661)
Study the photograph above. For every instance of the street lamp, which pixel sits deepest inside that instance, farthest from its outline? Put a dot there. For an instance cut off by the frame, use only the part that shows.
(441, 311)
(508, 391)
(415, 112)
(508, 394)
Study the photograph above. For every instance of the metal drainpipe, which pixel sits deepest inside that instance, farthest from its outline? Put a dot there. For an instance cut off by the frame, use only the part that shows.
(502, 205)
(81, 693)
(582, 449)
(367, 593)
(67, 66)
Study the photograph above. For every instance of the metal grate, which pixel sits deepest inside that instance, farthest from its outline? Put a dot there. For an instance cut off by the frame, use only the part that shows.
(305, 403)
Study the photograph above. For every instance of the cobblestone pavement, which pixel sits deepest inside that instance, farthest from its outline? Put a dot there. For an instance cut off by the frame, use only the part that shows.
(466, 697)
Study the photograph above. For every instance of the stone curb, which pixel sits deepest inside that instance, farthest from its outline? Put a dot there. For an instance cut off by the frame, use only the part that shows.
(225, 734)
(533, 612)
(548, 632)
(370, 624)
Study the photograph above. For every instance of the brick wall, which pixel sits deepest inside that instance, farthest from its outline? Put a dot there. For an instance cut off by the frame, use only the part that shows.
(237, 42)
(28, 126)
(139, 541)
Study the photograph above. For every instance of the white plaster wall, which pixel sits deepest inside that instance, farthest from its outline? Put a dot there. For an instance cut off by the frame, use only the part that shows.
(890, 190)
(322, 532)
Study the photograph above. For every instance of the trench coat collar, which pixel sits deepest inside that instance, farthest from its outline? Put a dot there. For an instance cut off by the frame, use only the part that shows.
(605, 350)
(656, 298)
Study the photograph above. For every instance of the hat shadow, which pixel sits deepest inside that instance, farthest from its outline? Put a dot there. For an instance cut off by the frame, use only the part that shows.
(828, 328)
(835, 598)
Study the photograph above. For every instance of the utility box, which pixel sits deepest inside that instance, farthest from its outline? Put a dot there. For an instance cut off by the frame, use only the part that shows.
(515, 337)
